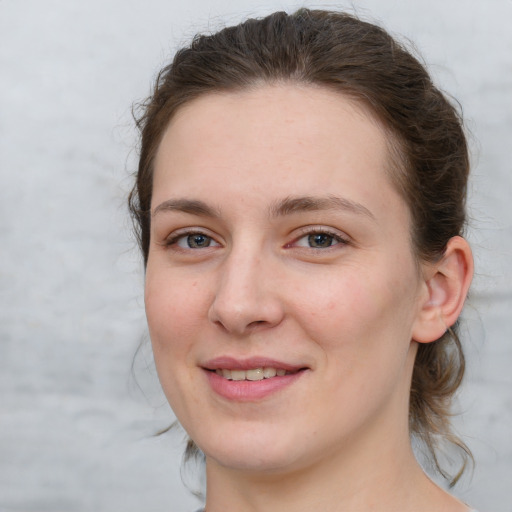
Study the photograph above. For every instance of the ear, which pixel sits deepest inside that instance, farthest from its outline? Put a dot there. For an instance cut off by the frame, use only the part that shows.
(446, 286)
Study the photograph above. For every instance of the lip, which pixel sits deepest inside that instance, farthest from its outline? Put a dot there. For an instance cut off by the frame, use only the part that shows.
(250, 391)
(232, 363)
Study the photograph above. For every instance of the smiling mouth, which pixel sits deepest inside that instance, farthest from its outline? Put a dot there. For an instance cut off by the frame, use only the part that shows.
(254, 374)
(252, 379)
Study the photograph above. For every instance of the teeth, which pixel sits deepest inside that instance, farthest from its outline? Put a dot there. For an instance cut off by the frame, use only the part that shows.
(256, 374)
(238, 374)
(253, 374)
(268, 373)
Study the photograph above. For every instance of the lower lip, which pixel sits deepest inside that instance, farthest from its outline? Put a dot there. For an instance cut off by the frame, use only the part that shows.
(247, 390)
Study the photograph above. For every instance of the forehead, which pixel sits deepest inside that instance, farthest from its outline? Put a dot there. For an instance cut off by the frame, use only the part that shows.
(302, 111)
(276, 140)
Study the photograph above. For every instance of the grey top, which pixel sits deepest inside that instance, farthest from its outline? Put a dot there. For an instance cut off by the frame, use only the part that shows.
(202, 510)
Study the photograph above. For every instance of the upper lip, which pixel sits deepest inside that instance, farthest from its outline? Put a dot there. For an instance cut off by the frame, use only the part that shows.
(232, 363)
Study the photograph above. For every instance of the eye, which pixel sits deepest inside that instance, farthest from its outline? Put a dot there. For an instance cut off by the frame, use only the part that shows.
(193, 241)
(319, 240)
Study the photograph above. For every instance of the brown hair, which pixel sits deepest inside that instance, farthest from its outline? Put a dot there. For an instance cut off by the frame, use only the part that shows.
(428, 148)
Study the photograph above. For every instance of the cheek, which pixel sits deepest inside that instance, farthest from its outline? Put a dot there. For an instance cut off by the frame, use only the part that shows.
(358, 309)
(335, 306)
(172, 310)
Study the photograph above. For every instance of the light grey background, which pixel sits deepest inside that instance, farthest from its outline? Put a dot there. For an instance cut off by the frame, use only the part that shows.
(75, 427)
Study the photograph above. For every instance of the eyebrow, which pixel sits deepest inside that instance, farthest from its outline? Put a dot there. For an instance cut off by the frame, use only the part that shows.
(291, 205)
(192, 206)
(287, 206)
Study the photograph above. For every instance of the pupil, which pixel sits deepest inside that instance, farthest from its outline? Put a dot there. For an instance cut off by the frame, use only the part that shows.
(320, 240)
(198, 241)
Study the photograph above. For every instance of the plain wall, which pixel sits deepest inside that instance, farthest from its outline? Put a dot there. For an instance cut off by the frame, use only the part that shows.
(76, 428)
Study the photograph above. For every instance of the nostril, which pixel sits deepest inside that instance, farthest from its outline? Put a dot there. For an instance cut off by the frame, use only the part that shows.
(256, 323)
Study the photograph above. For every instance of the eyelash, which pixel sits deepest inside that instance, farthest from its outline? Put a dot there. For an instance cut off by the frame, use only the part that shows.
(336, 239)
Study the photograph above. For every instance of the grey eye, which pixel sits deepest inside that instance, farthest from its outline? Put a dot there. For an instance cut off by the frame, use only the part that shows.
(195, 241)
(320, 240)
(198, 241)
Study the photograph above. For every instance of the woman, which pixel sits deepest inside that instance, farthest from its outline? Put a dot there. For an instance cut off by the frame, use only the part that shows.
(300, 204)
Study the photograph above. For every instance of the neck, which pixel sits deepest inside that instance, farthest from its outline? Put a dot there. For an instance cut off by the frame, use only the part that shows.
(397, 483)
(377, 479)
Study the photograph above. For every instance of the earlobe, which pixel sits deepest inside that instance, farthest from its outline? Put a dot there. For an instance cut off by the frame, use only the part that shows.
(447, 285)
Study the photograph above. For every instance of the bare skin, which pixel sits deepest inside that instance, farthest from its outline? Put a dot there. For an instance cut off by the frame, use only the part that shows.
(278, 240)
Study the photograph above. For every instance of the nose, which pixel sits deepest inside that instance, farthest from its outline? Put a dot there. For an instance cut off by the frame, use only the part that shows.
(247, 295)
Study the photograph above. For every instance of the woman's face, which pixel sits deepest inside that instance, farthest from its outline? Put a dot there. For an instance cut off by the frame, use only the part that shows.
(281, 289)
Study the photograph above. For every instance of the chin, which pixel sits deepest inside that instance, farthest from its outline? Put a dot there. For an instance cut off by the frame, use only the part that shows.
(251, 464)
(257, 452)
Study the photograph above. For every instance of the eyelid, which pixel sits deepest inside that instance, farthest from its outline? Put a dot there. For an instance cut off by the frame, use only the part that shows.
(341, 237)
